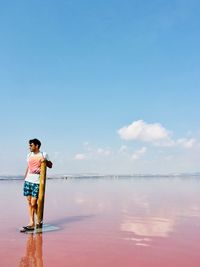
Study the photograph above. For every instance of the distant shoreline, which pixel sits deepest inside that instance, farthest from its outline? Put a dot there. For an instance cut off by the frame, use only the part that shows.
(111, 176)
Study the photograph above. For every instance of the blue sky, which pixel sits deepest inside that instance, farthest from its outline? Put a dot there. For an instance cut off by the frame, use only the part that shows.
(107, 86)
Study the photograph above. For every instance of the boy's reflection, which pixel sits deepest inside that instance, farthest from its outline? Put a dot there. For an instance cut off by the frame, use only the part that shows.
(33, 256)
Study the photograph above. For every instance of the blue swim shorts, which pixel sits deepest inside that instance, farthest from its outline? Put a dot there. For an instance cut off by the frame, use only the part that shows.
(31, 189)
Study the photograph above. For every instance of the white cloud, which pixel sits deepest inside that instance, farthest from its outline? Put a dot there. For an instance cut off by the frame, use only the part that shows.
(165, 143)
(142, 131)
(105, 152)
(169, 157)
(100, 150)
(153, 133)
(187, 143)
(123, 149)
(93, 153)
(80, 157)
(87, 146)
(139, 153)
(165, 155)
(86, 143)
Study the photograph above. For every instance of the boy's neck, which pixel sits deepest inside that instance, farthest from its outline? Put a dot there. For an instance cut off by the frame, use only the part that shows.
(36, 152)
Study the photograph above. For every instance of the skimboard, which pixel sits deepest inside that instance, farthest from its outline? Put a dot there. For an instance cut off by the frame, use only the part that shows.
(44, 228)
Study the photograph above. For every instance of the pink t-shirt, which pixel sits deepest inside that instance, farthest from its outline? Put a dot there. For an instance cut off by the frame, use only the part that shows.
(34, 163)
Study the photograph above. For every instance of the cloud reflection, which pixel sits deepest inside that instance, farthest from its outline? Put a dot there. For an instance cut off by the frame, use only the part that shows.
(148, 226)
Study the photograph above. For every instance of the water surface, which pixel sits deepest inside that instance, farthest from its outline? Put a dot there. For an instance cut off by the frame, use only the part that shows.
(122, 222)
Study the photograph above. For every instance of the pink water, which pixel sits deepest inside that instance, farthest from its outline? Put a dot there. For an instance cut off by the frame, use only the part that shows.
(136, 222)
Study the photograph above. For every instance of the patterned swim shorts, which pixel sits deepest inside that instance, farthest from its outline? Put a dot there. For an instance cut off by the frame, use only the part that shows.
(31, 189)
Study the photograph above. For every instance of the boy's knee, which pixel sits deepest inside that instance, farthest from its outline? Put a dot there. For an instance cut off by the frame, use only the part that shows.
(33, 204)
(29, 201)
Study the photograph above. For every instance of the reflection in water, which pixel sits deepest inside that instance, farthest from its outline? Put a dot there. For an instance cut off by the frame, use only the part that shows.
(122, 222)
(33, 253)
(148, 226)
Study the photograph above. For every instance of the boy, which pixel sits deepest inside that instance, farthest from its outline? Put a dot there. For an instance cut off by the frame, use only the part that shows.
(32, 179)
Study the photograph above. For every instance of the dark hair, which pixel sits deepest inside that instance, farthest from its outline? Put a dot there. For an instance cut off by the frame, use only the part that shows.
(35, 142)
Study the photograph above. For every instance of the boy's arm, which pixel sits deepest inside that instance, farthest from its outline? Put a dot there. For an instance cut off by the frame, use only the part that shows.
(26, 172)
(49, 164)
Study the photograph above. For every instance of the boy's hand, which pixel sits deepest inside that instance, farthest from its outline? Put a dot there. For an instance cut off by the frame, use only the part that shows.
(49, 163)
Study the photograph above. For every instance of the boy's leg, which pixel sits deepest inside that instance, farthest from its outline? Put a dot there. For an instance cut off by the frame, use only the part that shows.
(33, 209)
(32, 206)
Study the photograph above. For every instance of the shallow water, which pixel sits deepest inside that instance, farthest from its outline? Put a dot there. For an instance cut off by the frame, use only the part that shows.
(124, 222)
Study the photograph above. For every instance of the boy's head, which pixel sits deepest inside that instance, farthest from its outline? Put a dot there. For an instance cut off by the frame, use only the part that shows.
(34, 143)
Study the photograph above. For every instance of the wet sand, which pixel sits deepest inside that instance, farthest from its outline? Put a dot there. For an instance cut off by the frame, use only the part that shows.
(122, 222)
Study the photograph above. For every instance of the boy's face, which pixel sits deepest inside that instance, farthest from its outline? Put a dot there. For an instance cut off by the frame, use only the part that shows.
(33, 147)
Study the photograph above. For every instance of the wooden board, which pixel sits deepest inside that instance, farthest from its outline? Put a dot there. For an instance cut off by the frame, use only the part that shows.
(45, 228)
